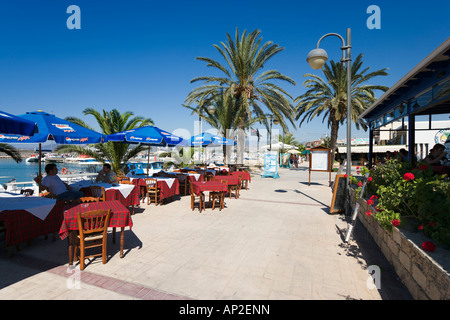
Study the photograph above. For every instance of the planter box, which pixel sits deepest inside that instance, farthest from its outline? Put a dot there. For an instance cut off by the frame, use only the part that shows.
(425, 274)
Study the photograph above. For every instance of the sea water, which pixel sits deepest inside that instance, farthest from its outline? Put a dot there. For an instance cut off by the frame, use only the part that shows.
(27, 171)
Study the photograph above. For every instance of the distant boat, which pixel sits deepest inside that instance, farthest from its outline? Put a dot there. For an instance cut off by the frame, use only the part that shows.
(51, 157)
(32, 158)
(140, 168)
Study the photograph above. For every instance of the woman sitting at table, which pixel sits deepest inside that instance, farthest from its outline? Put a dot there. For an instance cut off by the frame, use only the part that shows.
(106, 174)
(57, 188)
(437, 153)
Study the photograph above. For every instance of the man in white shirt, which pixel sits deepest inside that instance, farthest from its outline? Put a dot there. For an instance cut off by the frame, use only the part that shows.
(57, 187)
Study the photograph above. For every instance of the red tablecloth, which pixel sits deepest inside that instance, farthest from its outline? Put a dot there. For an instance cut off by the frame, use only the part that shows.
(114, 194)
(231, 179)
(200, 186)
(165, 191)
(120, 215)
(245, 175)
(22, 226)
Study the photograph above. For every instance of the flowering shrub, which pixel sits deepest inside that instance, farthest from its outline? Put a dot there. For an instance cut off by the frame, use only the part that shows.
(400, 191)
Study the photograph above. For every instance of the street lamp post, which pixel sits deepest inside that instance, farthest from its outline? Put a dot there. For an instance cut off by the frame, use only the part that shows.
(316, 59)
(275, 122)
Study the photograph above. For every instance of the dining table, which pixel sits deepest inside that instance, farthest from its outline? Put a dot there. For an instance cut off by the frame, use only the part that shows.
(168, 186)
(232, 181)
(26, 217)
(120, 218)
(245, 177)
(211, 186)
(126, 193)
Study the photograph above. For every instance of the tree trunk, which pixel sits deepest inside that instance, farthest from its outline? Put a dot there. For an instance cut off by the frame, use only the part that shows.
(333, 138)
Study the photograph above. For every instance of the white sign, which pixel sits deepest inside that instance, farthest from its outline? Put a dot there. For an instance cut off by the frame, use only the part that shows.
(319, 160)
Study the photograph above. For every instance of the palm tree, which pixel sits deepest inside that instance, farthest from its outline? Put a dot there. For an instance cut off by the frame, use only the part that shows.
(116, 153)
(11, 151)
(243, 79)
(329, 96)
(225, 119)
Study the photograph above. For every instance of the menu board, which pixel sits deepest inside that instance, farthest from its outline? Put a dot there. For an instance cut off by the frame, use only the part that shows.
(270, 165)
(319, 160)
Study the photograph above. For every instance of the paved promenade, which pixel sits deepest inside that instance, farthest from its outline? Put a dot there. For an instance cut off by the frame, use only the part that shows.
(277, 242)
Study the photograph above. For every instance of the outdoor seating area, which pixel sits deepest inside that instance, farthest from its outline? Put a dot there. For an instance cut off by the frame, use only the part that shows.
(25, 216)
(164, 187)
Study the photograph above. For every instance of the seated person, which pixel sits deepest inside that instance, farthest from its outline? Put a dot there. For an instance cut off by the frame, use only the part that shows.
(437, 153)
(106, 174)
(57, 188)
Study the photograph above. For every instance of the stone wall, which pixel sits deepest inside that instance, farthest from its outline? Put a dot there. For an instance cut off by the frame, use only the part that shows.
(424, 274)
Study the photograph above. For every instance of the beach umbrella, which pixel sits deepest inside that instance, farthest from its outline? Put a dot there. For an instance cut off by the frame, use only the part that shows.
(278, 146)
(205, 139)
(293, 151)
(53, 128)
(11, 124)
(150, 135)
(306, 152)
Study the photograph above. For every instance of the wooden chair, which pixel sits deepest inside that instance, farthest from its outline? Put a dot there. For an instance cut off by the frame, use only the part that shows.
(89, 199)
(125, 182)
(123, 179)
(213, 195)
(152, 190)
(183, 180)
(92, 233)
(98, 192)
(201, 197)
(236, 188)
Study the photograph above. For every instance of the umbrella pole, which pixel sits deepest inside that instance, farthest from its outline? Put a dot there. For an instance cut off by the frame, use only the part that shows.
(39, 176)
(148, 160)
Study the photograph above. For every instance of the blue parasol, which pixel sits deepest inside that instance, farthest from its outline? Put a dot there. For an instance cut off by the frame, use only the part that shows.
(147, 135)
(54, 128)
(205, 139)
(10, 124)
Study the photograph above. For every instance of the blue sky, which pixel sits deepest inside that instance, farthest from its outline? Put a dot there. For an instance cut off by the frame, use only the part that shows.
(140, 56)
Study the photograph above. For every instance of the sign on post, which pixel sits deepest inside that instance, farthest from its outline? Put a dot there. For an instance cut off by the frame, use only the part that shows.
(270, 165)
(320, 160)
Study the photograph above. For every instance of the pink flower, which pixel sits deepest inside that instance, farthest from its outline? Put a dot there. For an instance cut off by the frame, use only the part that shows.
(395, 222)
(428, 246)
(345, 175)
(420, 227)
(369, 213)
(373, 197)
(369, 179)
(370, 202)
(360, 184)
(408, 176)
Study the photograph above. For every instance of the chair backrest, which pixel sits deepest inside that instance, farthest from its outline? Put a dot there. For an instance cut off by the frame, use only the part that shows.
(125, 182)
(98, 192)
(151, 183)
(89, 199)
(94, 221)
(123, 178)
